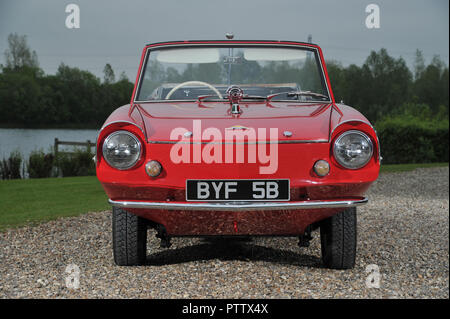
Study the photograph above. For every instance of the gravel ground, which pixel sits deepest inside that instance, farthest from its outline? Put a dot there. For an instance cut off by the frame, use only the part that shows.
(404, 231)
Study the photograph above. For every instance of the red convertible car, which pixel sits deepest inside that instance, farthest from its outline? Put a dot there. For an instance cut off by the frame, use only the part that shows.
(235, 138)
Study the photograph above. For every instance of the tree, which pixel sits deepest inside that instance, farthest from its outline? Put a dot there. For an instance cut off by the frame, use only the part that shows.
(390, 83)
(108, 74)
(81, 92)
(419, 64)
(18, 54)
(431, 87)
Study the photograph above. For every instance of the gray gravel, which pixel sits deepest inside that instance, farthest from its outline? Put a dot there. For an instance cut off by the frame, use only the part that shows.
(404, 231)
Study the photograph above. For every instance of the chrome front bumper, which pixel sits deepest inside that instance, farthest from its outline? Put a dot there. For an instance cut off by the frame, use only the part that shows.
(242, 206)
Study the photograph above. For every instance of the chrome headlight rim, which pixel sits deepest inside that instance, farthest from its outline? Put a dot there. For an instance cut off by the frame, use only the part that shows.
(105, 142)
(342, 135)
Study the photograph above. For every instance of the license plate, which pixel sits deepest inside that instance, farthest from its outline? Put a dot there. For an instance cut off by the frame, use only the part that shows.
(237, 190)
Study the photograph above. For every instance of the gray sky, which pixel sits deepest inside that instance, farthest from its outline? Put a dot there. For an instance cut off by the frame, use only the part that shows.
(115, 31)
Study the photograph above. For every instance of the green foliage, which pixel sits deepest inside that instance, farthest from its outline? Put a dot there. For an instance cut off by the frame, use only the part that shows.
(40, 164)
(383, 83)
(10, 167)
(70, 97)
(78, 163)
(413, 137)
(431, 85)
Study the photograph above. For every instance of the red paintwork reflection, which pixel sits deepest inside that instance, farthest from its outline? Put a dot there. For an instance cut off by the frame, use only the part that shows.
(277, 222)
(305, 121)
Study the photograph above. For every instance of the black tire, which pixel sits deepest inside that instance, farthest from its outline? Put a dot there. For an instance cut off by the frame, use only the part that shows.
(338, 240)
(129, 238)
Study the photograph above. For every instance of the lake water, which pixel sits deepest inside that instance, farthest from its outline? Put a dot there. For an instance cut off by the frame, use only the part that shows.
(28, 140)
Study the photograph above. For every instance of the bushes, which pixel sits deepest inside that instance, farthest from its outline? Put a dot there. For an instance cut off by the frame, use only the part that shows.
(410, 139)
(40, 165)
(10, 168)
(79, 163)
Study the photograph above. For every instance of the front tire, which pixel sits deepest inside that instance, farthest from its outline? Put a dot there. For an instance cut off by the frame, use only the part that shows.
(338, 240)
(129, 238)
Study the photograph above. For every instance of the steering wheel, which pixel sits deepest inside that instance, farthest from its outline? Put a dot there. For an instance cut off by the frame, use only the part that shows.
(193, 83)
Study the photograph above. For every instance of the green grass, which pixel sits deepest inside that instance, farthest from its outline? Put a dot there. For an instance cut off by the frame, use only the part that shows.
(30, 201)
(392, 168)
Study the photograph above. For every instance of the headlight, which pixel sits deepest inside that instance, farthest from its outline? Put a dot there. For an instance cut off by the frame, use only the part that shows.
(121, 150)
(353, 149)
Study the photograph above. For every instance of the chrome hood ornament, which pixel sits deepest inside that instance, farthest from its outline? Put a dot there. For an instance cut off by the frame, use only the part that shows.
(235, 95)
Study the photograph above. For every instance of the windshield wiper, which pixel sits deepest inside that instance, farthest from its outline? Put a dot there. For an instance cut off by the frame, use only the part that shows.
(289, 94)
(269, 97)
(204, 97)
(297, 93)
(256, 97)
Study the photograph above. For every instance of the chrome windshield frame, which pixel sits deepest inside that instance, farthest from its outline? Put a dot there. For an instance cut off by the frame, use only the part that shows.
(185, 45)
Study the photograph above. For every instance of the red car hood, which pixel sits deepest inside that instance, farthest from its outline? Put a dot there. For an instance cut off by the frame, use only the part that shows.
(306, 122)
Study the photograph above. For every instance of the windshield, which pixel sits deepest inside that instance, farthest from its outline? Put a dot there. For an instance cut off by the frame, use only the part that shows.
(188, 73)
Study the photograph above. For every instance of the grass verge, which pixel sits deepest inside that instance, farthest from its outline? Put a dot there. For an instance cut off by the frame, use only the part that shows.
(30, 201)
(392, 168)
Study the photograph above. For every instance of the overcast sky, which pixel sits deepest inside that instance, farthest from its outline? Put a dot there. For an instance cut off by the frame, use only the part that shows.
(115, 31)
